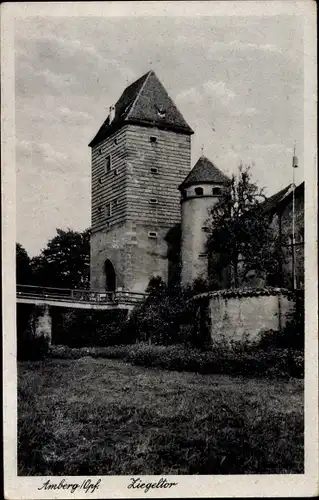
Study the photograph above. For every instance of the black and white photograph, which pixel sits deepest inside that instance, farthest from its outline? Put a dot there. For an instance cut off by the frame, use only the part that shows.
(161, 233)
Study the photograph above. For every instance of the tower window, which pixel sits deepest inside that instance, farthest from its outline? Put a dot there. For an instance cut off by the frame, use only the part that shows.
(217, 191)
(116, 140)
(153, 201)
(153, 139)
(116, 171)
(99, 151)
(99, 209)
(108, 210)
(115, 202)
(184, 194)
(154, 170)
(107, 164)
(199, 191)
(152, 234)
(100, 180)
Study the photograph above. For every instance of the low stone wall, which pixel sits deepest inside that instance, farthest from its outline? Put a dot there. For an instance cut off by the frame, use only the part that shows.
(244, 314)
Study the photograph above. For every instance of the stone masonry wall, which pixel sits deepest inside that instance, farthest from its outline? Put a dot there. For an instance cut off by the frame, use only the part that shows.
(237, 318)
(135, 256)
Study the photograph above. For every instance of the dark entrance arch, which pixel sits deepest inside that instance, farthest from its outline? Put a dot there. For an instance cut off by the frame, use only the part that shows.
(110, 276)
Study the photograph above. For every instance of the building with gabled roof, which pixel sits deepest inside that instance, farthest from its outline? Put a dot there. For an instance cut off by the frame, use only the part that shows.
(280, 209)
(140, 155)
(149, 208)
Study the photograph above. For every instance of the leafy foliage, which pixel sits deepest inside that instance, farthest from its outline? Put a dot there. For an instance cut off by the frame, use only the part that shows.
(167, 316)
(292, 336)
(23, 265)
(228, 359)
(82, 328)
(240, 231)
(65, 261)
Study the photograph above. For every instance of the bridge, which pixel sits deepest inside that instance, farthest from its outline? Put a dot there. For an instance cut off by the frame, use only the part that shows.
(41, 321)
(77, 298)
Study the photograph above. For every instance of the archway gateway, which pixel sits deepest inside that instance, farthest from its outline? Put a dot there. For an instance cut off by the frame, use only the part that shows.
(110, 276)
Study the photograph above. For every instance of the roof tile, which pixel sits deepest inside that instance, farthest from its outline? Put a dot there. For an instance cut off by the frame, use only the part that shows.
(144, 102)
(204, 172)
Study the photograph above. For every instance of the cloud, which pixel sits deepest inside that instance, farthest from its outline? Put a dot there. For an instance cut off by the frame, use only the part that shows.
(250, 111)
(211, 88)
(245, 112)
(219, 89)
(73, 115)
(274, 147)
(239, 45)
(191, 95)
(43, 151)
(57, 80)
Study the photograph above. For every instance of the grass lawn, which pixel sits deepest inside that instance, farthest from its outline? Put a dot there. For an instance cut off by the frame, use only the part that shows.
(99, 416)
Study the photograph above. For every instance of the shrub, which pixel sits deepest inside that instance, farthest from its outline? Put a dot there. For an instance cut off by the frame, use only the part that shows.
(220, 359)
(77, 328)
(292, 336)
(168, 316)
(32, 348)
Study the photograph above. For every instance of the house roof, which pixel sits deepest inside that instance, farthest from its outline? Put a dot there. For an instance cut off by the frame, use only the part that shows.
(144, 102)
(204, 172)
(277, 200)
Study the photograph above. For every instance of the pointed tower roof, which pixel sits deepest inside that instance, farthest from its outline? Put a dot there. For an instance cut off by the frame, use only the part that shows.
(144, 102)
(204, 172)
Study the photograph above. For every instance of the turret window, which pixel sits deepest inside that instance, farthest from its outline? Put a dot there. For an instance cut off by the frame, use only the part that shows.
(217, 191)
(199, 191)
(152, 234)
(153, 139)
(153, 201)
(154, 170)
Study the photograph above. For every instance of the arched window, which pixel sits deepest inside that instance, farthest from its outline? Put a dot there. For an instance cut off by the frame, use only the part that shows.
(199, 191)
(110, 276)
(217, 191)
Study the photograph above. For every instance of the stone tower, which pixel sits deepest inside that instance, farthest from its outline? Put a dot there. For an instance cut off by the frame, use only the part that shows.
(140, 155)
(200, 191)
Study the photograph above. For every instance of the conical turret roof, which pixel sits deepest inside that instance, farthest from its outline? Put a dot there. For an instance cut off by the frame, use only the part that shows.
(144, 102)
(204, 172)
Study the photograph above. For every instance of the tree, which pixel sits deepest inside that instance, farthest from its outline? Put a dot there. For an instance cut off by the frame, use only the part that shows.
(240, 230)
(23, 266)
(65, 261)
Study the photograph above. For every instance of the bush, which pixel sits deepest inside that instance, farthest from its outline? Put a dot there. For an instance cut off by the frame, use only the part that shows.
(292, 336)
(231, 361)
(32, 348)
(77, 328)
(167, 316)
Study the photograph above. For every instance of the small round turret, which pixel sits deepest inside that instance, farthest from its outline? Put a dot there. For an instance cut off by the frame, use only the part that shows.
(200, 191)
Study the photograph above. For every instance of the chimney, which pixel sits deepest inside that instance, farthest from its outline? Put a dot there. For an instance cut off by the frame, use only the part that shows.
(112, 113)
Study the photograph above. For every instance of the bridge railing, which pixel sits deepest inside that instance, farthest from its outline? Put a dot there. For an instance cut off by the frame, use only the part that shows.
(78, 295)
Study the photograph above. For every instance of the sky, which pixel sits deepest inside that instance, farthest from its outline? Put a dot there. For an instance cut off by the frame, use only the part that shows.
(238, 81)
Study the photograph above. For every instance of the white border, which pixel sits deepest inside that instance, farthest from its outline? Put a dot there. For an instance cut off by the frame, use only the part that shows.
(188, 486)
